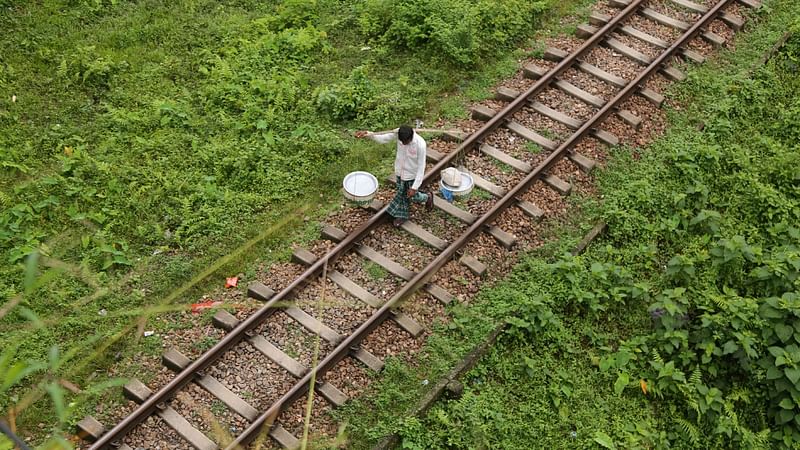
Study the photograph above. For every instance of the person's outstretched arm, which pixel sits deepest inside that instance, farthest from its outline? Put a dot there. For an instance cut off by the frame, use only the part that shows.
(383, 137)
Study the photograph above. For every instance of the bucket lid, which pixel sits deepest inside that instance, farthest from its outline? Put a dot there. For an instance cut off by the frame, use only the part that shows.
(360, 184)
(451, 177)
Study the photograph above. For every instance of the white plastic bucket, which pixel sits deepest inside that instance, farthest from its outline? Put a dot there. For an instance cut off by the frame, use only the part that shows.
(360, 187)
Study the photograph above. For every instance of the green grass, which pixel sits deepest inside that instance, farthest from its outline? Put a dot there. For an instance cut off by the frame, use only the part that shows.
(533, 148)
(375, 271)
(548, 134)
(481, 194)
(205, 343)
(218, 408)
(505, 168)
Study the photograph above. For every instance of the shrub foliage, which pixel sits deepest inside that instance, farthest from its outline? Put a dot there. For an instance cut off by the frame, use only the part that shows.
(454, 32)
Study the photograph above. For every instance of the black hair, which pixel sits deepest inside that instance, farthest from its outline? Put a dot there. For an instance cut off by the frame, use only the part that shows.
(405, 133)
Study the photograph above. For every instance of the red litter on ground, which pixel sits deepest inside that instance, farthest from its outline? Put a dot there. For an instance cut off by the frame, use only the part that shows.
(197, 307)
(231, 282)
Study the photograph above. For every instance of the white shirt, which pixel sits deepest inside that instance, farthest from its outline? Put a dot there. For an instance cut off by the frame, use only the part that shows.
(409, 162)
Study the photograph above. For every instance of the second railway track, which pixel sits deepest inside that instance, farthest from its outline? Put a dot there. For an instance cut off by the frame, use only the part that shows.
(562, 105)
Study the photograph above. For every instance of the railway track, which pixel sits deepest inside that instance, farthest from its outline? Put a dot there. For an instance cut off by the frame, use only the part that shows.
(519, 145)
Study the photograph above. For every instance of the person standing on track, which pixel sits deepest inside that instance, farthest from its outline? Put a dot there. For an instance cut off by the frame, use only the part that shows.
(409, 169)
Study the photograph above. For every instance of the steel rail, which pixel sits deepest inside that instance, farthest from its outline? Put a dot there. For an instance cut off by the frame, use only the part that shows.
(422, 277)
(150, 405)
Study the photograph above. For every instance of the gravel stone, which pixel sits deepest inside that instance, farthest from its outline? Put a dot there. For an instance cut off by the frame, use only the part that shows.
(350, 376)
(294, 339)
(366, 274)
(637, 44)
(670, 9)
(155, 434)
(613, 62)
(488, 169)
(321, 427)
(280, 275)
(510, 142)
(333, 306)
(391, 340)
(543, 125)
(208, 414)
(653, 28)
(425, 309)
(589, 84)
(566, 43)
(401, 247)
(244, 369)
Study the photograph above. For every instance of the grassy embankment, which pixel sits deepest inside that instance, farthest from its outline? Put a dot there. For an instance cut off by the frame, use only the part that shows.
(679, 328)
(149, 148)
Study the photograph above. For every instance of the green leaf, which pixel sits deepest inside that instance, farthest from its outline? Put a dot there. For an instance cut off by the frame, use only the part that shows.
(31, 316)
(98, 388)
(773, 373)
(516, 322)
(57, 442)
(15, 373)
(775, 351)
(622, 358)
(784, 332)
(52, 357)
(621, 383)
(604, 440)
(31, 264)
(786, 403)
(792, 374)
(57, 395)
(729, 347)
(784, 416)
(6, 356)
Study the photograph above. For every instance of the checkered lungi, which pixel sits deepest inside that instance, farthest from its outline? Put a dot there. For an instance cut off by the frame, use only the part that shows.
(401, 204)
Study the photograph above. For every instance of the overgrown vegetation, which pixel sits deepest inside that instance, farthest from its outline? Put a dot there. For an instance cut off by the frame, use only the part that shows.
(681, 327)
(141, 142)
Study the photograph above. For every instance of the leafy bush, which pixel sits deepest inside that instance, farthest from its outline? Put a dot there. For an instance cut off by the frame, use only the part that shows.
(457, 32)
(724, 347)
(295, 14)
(347, 100)
(361, 98)
(87, 67)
